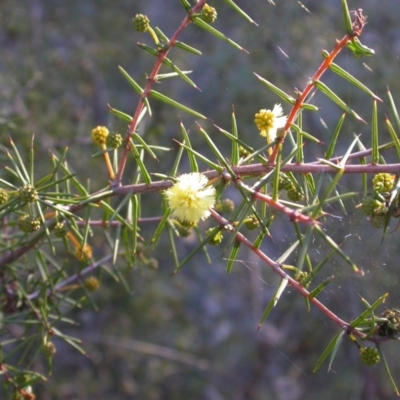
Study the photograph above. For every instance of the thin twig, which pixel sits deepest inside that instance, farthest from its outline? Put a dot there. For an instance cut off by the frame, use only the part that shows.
(358, 25)
(276, 267)
(146, 92)
(11, 255)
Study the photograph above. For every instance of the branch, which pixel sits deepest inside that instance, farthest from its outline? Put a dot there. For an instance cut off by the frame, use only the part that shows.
(150, 82)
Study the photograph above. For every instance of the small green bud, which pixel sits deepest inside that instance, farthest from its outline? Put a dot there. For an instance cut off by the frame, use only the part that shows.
(378, 221)
(60, 229)
(225, 206)
(152, 263)
(391, 327)
(208, 14)
(383, 182)
(48, 349)
(92, 284)
(28, 194)
(284, 182)
(28, 224)
(141, 22)
(393, 317)
(217, 239)
(369, 205)
(114, 140)
(294, 194)
(369, 356)
(3, 196)
(251, 222)
(243, 153)
(300, 275)
(184, 228)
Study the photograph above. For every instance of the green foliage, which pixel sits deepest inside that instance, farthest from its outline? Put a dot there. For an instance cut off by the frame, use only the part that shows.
(71, 225)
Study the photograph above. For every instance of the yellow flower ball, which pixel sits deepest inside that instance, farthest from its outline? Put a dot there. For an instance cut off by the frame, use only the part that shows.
(269, 121)
(99, 135)
(190, 199)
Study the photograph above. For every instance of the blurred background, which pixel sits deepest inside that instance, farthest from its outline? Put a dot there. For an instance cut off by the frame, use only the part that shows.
(194, 335)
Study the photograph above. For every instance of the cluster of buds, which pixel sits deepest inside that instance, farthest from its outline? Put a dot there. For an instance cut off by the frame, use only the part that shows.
(3, 196)
(390, 324)
(243, 153)
(141, 22)
(216, 239)
(294, 192)
(299, 275)
(208, 14)
(369, 356)
(114, 140)
(140, 255)
(99, 135)
(383, 182)
(183, 229)
(61, 229)
(251, 222)
(376, 205)
(91, 284)
(225, 206)
(376, 208)
(48, 349)
(28, 194)
(28, 224)
(102, 137)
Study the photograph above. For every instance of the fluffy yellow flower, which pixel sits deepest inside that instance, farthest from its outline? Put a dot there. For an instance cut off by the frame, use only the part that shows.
(268, 122)
(189, 198)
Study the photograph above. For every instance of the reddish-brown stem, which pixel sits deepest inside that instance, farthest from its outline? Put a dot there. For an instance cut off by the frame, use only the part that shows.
(278, 270)
(303, 95)
(9, 256)
(146, 92)
(294, 215)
